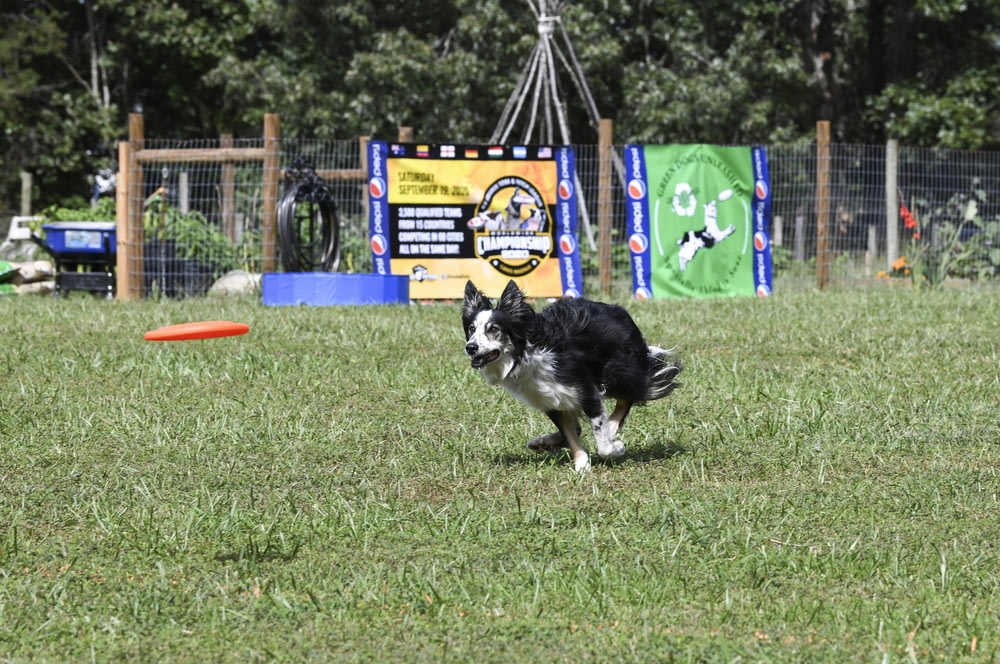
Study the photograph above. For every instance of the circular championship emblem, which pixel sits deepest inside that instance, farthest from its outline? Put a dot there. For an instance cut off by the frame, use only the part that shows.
(512, 230)
(379, 245)
(760, 188)
(571, 292)
(567, 244)
(638, 243)
(759, 241)
(763, 290)
(376, 187)
(643, 293)
(565, 189)
(636, 189)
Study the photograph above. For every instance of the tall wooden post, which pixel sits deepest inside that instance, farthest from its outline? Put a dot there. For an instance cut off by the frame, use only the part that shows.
(891, 202)
(123, 249)
(822, 204)
(26, 189)
(228, 191)
(272, 173)
(133, 268)
(363, 168)
(604, 196)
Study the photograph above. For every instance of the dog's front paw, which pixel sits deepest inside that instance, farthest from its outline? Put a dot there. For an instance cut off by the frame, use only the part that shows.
(581, 462)
(613, 451)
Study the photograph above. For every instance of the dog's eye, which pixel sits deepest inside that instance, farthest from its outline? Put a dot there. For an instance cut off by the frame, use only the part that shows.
(493, 329)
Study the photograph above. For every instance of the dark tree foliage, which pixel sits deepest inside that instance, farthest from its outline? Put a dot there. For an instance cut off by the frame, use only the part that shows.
(925, 72)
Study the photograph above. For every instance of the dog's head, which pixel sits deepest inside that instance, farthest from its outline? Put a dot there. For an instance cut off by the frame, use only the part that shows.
(498, 333)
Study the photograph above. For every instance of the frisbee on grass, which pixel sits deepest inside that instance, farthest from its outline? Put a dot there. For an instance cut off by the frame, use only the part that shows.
(207, 329)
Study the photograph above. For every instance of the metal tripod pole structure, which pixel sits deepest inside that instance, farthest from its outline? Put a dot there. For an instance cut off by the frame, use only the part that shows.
(536, 95)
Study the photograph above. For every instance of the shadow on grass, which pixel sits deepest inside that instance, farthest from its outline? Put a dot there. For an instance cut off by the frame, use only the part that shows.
(654, 452)
(636, 454)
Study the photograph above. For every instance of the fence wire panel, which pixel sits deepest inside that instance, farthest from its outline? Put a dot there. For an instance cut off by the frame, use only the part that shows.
(339, 163)
(200, 216)
(931, 178)
(613, 243)
(854, 207)
(953, 197)
(203, 215)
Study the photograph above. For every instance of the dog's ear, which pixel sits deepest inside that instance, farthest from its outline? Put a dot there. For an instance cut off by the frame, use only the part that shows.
(475, 301)
(475, 298)
(512, 301)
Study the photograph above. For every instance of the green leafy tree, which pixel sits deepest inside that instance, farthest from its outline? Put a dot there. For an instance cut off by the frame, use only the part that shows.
(923, 71)
(941, 75)
(49, 116)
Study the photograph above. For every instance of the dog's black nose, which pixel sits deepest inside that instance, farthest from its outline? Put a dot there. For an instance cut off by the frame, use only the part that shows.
(471, 347)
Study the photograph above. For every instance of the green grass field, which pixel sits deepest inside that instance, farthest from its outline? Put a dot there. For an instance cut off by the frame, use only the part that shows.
(339, 485)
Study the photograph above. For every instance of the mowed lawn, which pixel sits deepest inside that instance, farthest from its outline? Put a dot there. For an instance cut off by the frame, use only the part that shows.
(339, 485)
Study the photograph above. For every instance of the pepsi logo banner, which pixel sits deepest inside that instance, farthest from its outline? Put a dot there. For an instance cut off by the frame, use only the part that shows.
(443, 214)
(698, 220)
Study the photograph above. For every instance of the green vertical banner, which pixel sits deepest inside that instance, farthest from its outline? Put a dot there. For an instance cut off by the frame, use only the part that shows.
(698, 220)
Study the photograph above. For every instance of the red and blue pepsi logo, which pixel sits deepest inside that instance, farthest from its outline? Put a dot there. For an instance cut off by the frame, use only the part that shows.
(759, 241)
(760, 188)
(567, 243)
(638, 243)
(643, 293)
(376, 187)
(565, 189)
(636, 189)
(379, 245)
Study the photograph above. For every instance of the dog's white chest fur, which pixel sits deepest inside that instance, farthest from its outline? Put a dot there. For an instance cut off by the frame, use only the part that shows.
(532, 381)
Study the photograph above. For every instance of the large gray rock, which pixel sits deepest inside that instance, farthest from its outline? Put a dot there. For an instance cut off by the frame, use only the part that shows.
(236, 282)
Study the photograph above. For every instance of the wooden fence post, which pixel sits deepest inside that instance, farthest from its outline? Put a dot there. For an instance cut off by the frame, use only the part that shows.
(363, 168)
(132, 268)
(272, 173)
(604, 212)
(26, 188)
(891, 202)
(228, 191)
(822, 204)
(123, 251)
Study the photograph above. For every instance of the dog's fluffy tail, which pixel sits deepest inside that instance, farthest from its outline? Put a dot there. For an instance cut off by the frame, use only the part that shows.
(664, 366)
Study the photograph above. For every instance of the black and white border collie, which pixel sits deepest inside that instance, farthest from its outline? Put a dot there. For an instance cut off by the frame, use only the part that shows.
(565, 360)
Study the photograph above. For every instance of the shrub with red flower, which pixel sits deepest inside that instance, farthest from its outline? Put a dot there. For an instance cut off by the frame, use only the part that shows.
(909, 221)
(950, 240)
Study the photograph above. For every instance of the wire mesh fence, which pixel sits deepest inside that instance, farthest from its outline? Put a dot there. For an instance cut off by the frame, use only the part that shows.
(207, 208)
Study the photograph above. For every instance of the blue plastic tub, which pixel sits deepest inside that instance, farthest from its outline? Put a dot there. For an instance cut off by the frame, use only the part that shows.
(80, 237)
(331, 288)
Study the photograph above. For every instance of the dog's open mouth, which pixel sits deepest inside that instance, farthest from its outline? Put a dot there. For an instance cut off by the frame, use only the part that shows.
(480, 361)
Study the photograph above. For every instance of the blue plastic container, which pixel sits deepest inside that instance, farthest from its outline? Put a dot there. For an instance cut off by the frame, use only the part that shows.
(80, 237)
(331, 288)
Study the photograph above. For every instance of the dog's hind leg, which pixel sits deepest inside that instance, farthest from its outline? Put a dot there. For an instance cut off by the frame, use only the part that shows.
(569, 428)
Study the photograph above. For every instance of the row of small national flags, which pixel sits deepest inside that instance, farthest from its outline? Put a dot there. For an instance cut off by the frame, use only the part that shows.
(453, 151)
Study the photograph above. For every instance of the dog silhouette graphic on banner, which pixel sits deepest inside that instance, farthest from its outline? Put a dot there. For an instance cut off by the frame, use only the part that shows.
(706, 238)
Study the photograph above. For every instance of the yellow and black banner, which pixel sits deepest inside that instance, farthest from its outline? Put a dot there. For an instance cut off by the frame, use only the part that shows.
(443, 214)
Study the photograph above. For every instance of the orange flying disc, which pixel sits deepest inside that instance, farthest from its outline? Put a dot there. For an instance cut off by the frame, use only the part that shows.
(207, 329)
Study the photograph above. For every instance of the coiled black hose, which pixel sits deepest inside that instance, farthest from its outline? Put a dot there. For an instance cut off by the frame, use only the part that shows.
(308, 227)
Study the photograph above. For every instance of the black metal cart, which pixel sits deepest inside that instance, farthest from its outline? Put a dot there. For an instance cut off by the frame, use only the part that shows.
(84, 254)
